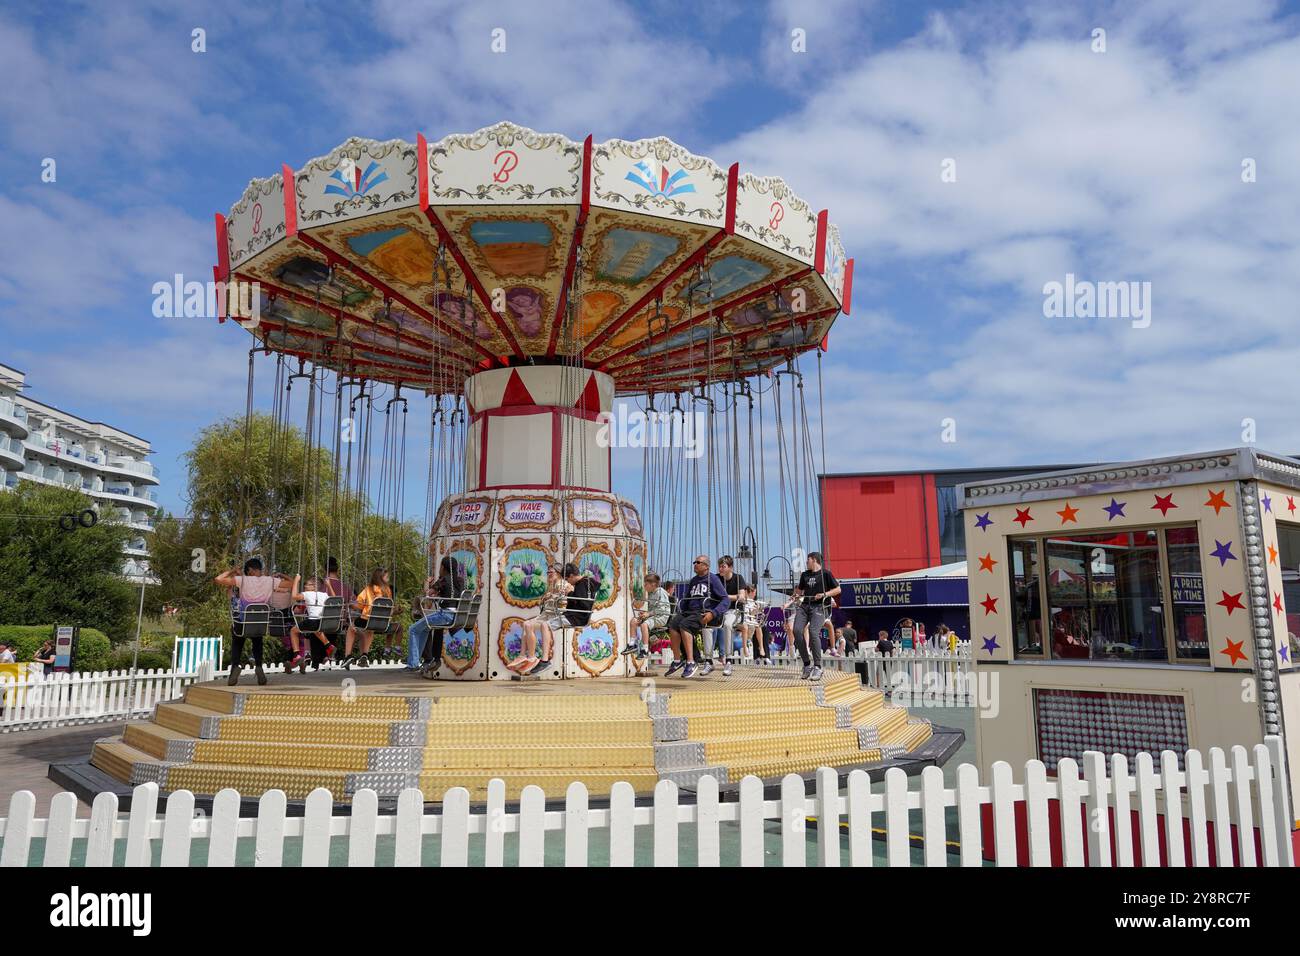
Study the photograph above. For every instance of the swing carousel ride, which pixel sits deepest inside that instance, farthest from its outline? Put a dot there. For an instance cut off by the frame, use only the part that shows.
(523, 281)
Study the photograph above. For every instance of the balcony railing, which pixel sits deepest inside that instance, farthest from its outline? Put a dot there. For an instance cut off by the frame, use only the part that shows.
(10, 410)
(139, 467)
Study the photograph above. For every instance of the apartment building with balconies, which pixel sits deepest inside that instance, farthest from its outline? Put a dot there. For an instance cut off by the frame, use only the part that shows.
(42, 443)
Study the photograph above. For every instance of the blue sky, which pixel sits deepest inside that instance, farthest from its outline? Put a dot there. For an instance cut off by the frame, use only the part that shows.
(1123, 165)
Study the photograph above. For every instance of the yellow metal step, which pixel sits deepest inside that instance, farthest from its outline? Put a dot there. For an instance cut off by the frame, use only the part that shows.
(633, 757)
(117, 759)
(152, 738)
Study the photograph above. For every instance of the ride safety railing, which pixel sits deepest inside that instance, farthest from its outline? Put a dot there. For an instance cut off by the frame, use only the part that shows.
(1229, 810)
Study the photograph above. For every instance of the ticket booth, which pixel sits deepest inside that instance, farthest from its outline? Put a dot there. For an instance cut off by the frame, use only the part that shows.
(1139, 606)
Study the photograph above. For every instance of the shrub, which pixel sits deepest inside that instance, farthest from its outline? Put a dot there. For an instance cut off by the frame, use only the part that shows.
(93, 650)
(150, 658)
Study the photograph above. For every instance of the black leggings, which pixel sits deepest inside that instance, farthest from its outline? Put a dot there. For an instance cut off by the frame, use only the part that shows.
(237, 649)
(433, 647)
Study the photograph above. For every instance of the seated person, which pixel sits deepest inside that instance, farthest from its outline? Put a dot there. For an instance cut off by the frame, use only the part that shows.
(254, 588)
(281, 622)
(751, 629)
(705, 602)
(572, 596)
(312, 599)
(649, 619)
(378, 588)
(445, 591)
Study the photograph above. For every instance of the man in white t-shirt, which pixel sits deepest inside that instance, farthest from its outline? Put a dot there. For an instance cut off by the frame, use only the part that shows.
(313, 600)
(7, 654)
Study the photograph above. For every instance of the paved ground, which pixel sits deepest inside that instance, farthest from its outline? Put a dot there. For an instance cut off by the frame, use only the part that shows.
(26, 755)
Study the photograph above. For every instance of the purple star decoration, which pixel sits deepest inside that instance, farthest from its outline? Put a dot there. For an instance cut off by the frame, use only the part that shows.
(1115, 509)
(1268, 503)
(983, 521)
(1223, 551)
(991, 643)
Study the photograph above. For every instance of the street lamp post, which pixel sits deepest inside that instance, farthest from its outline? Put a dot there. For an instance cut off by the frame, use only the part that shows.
(747, 557)
(135, 655)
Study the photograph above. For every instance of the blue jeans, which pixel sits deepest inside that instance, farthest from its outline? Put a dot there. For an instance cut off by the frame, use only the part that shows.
(418, 633)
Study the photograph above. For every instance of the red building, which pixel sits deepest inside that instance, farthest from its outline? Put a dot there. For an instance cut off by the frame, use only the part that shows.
(880, 523)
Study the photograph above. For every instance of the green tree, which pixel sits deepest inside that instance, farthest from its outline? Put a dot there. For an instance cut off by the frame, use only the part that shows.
(65, 577)
(264, 492)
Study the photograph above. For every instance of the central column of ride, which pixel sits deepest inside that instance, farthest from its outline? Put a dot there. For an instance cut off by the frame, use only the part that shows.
(537, 480)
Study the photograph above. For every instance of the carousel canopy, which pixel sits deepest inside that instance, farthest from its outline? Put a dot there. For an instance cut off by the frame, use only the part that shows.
(423, 263)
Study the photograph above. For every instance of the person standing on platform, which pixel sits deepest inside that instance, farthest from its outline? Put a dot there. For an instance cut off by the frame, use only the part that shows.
(816, 587)
(705, 602)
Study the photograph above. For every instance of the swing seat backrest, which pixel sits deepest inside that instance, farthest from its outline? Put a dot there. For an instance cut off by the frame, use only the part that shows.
(277, 626)
(252, 621)
(381, 615)
(467, 608)
(331, 617)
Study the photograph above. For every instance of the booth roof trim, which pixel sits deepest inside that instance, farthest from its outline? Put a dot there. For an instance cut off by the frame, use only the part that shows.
(1234, 464)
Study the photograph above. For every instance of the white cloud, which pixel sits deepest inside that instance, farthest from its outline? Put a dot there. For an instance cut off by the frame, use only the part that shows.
(1115, 166)
(567, 67)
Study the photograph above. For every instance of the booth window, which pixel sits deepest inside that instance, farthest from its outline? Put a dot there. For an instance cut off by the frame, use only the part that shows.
(1187, 591)
(1026, 603)
(1288, 546)
(1133, 595)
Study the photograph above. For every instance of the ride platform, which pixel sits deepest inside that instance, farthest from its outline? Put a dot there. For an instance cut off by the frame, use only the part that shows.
(388, 731)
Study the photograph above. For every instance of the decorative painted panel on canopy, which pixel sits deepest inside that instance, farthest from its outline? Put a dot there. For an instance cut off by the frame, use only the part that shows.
(423, 263)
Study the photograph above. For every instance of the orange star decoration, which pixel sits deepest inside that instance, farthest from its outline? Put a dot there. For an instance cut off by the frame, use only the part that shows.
(1068, 514)
(1216, 501)
(987, 562)
(1272, 555)
(1234, 652)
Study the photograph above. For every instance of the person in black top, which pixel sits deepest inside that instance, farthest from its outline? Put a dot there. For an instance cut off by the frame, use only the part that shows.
(430, 628)
(45, 657)
(581, 599)
(731, 620)
(816, 587)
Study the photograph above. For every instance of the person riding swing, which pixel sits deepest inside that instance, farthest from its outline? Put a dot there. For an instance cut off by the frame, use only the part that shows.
(430, 627)
(255, 588)
(705, 602)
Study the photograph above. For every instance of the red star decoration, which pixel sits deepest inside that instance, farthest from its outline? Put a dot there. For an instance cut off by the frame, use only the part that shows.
(1164, 503)
(987, 562)
(1068, 514)
(1216, 501)
(1024, 517)
(1231, 602)
(1234, 651)
(1272, 555)
(1277, 603)
(990, 604)
(1290, 504)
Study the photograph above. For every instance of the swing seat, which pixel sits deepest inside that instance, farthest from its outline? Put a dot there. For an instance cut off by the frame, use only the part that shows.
(465, 616)
(380, 620)
(252, 621)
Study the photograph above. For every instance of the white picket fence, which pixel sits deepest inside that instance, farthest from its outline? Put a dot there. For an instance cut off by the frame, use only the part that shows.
(1243, 794)
(941, 677)
(62, 700)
